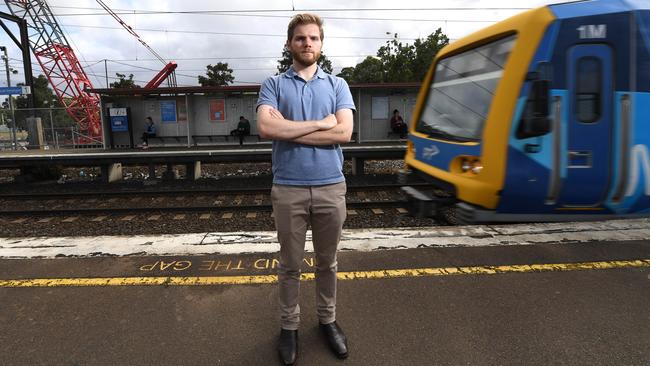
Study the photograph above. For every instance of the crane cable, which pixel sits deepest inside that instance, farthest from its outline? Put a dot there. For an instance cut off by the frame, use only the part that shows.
(130, 30)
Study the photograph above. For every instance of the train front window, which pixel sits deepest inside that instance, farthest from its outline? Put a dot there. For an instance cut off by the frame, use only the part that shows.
(460, 95)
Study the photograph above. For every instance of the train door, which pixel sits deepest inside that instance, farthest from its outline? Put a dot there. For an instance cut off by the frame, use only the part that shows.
(589, 125)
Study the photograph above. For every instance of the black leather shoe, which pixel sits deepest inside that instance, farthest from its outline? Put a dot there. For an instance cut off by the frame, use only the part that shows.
(336, 339)
(288, 347)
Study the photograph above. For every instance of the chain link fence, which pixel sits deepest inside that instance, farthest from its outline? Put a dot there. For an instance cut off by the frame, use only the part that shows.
(56, 130)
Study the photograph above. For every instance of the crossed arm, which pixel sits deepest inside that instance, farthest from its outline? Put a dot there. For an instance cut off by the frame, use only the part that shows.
(333, 129)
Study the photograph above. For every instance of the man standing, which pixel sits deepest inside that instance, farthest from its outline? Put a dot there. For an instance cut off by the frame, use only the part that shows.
(307, 113)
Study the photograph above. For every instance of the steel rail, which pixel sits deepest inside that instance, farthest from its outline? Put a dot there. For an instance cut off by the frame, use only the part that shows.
(239, 208)
(139, 192)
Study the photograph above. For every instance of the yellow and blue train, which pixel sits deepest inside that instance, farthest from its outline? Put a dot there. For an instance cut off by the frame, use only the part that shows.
(544, 116)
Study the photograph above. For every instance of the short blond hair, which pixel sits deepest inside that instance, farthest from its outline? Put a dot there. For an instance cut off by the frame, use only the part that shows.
(302, 19)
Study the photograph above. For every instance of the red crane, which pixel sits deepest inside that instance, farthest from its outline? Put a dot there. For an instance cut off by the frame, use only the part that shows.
(62, 68)
(60, 65)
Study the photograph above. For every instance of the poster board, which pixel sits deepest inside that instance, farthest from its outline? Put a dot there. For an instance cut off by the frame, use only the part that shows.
(379, 108)
(168, 111)
(217, 110)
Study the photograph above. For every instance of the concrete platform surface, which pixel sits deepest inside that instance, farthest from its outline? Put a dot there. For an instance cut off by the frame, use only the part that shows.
(352, 240)
(559, 303)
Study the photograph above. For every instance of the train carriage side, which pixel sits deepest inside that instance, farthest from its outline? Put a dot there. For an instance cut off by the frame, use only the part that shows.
(634, 179)
(561, 138)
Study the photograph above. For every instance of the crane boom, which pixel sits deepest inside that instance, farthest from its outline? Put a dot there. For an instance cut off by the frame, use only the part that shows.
(60, 64)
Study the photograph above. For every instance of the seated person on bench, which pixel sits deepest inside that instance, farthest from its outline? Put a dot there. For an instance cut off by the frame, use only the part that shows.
(243, 129)
(150, 131)
(398, 125)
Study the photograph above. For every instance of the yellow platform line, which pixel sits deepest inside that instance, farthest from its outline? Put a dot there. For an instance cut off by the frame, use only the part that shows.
(354, 275)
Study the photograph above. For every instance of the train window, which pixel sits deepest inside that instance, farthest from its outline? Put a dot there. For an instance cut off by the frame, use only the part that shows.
(462, 90)
(588, 89)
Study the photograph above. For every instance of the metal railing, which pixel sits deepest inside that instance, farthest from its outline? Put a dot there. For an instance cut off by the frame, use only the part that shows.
(58, 129)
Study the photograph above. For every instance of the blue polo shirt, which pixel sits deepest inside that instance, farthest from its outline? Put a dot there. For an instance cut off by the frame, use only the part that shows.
(300, 100)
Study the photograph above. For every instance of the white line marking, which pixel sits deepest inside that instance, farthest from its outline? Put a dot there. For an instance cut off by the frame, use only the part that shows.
(357, 239)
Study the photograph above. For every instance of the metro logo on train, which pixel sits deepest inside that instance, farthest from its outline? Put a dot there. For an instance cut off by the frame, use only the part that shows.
(540, 117)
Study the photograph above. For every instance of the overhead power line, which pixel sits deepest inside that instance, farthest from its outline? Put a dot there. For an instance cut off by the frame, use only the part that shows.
(201, 70)
(248, 11)
(229, 33)
(326, 17)
(217, 58)
(131, 31)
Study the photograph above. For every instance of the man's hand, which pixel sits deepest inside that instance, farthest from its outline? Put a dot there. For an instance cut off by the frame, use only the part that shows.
(328, 122)
(324, 124)
(338, 134)
(271, 124)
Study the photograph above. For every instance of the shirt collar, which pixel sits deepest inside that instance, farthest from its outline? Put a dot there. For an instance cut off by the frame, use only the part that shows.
(291, 73)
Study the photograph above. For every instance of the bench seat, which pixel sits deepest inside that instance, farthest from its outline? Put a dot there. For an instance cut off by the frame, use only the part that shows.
(222, 138)
(394, 134)
(168, 140)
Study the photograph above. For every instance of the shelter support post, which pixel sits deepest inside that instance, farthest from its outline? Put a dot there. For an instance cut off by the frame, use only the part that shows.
(112, 172)
(193, 170)
(357, 166)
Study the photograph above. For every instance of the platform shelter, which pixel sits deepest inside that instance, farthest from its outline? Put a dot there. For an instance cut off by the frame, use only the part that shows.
(199, 116)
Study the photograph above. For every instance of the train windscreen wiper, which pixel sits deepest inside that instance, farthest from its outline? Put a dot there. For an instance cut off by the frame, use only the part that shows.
(437, 133)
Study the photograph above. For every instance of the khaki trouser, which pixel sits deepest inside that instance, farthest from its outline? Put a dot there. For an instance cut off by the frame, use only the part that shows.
(295, 207)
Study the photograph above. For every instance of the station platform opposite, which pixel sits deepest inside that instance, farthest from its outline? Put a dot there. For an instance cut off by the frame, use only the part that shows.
(111, 161)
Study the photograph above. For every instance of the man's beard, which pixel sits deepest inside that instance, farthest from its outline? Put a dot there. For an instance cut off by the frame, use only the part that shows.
(305, 61)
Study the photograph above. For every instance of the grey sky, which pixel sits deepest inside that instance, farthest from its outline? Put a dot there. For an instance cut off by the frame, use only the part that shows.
(250, 42)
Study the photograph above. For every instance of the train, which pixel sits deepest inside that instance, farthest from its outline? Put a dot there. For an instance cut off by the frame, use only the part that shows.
(544, 116)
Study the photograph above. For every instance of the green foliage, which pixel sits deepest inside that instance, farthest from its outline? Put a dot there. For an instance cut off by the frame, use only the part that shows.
(369, 70)
(217, 75)
(397, 61)
(123, 82)
(425, 51)
(346, 73)
(44, 97)
(287, 60)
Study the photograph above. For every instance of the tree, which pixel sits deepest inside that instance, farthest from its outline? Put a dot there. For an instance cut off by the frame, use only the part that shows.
(44, 97)
(123, 82)
(369, 70)
(406, 62)
(425, 51)
(287, 60)
(217, 75)
(397, 62)
(347, 73)
(397, 59)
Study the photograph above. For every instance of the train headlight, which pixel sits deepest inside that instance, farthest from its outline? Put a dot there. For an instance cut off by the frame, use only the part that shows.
(465, 165)
(476, 167)
(470, 165)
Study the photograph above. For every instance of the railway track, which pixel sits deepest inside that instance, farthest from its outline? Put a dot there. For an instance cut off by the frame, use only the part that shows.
(147, 210)
(177, 209)
(176, 220)
(204, 201)
(249, 199)
(138, 191)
